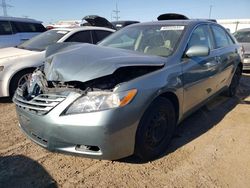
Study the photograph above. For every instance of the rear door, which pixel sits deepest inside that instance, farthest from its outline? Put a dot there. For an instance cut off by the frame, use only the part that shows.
(199, 73)
(227, 55)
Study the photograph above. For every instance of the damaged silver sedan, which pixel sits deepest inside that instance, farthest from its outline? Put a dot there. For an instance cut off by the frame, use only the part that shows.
(126, 95)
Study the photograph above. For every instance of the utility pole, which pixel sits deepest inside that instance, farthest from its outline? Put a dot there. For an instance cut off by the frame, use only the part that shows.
(4, 5)
(236, 27)
(210, 10)
(116, 11)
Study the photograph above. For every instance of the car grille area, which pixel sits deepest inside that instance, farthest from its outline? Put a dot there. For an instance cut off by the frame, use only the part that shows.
(40, 104)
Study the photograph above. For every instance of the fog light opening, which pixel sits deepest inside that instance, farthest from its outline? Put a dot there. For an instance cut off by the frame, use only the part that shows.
(87, 148)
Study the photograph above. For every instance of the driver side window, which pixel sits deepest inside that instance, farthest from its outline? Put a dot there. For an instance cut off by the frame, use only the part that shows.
(200, 37)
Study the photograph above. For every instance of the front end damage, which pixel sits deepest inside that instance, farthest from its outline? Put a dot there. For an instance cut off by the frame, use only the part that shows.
(38, 87)
(92, 118)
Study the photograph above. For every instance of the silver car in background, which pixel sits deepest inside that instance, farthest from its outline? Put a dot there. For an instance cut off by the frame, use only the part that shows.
(17, 63)
(243, 38)
(126, 95)
(14, 31)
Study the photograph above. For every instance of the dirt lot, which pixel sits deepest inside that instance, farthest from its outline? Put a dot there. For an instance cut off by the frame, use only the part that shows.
(210, 149)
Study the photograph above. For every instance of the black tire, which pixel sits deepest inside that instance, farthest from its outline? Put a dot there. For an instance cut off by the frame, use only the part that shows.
(155, 129)
(18, 79)
(232, 89)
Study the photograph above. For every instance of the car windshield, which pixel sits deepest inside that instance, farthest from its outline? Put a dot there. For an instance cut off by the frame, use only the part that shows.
(40, 42)
(160, 40)
(242, 36)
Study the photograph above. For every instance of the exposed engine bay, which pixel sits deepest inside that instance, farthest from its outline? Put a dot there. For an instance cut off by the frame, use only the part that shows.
(39, 85)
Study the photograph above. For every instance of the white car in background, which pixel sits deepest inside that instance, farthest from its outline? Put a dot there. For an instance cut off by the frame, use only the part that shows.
(17, 63)
(14, 31)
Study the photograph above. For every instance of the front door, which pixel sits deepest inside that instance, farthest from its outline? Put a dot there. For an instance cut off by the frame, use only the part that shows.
(199, 73)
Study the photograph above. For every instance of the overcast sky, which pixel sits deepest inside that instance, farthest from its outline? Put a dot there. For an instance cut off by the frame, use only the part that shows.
(141, 10)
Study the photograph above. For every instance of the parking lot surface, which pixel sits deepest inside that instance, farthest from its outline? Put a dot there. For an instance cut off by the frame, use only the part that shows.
(211, 148)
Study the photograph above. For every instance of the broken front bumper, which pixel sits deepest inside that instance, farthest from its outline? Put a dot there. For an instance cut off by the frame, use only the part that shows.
(108, 134)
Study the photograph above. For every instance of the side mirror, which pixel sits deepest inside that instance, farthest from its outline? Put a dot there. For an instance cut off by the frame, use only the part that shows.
(197, 51)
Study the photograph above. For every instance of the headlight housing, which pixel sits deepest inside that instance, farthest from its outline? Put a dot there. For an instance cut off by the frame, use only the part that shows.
(1, 68)
(101, 100)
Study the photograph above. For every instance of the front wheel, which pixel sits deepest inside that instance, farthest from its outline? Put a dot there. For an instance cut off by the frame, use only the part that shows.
(18, 80)
(155, 129)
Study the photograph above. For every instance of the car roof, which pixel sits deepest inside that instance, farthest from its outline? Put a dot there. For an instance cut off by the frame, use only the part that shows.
(6, 18)
(189, 23)
(177, 22)
(83, 28)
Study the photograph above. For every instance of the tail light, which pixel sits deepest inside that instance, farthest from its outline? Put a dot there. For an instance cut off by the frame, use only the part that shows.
(49, 27)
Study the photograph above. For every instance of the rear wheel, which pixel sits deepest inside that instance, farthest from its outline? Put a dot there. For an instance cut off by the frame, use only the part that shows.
(155, 129)
(18, 80)
(232, 89)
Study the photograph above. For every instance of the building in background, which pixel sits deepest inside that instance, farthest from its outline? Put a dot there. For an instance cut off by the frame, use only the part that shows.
(64, 24)
(234, 24)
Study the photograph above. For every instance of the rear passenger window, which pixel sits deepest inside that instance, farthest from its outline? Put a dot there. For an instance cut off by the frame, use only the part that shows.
(100, 35)
(28, 27)
(82, 36)
(220, 36)
(5, 28)
(201, 37)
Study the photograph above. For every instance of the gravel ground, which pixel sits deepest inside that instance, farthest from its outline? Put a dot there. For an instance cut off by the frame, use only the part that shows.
(210, 149)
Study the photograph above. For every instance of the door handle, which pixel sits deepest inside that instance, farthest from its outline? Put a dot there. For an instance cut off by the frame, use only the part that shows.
(210, 64)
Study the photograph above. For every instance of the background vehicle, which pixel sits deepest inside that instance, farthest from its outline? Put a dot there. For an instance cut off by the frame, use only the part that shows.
(16, 63)
(126, 95)
(14, 31)
(95, 20)
(121, 24)
(243, 37)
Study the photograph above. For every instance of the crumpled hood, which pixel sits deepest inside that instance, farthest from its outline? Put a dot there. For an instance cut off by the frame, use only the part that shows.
(84, 62)
(14, 52)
